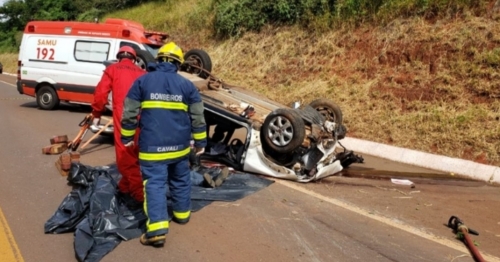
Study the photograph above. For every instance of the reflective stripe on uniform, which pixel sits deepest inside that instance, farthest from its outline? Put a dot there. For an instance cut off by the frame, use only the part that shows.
(182, 215)
(127, 132)
(165, 105)
(200, 135)
(157, 226)
(145, 204)
(153, 226)
(163, 156)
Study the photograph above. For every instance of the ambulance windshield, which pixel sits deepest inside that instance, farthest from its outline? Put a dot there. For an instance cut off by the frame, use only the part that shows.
(152, 49)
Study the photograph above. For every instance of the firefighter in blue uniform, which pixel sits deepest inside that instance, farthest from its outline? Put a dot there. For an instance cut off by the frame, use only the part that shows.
(171, 115)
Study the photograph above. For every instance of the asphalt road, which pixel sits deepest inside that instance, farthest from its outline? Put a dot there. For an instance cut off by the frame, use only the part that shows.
(359, 216)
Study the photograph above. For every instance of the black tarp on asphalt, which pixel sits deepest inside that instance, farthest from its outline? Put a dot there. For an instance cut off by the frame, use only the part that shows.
(100, 220)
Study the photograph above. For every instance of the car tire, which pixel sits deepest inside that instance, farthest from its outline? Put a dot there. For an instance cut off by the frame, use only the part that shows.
(328, 109)
(46, 98)
(283, 131)
(143, 59)
(199, 58)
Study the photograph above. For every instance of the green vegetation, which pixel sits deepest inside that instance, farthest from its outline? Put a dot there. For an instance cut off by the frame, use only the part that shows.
(236, 17)
(421, 74)
(227, 18)
(16, 13)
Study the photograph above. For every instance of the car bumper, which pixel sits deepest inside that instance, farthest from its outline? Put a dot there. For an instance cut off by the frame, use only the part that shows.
(107, 131)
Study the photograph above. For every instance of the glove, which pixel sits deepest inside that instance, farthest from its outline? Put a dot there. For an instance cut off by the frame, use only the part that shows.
(129, 144)
(200, 151)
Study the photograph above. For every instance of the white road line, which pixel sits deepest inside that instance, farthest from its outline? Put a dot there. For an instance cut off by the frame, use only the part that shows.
(7, 83)
(385, 220)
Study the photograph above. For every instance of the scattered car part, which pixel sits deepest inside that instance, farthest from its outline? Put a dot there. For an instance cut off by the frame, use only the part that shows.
(347, 157)
(103, 129)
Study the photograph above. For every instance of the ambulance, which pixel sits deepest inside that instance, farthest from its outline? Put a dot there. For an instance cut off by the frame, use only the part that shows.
(63, 61)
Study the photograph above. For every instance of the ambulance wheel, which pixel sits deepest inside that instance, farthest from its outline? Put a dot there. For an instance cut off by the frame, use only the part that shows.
(143, 58)
(46, 98)
(199, 58)
(283, 131)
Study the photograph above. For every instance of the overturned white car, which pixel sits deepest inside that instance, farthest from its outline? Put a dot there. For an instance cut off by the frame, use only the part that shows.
(253, 134)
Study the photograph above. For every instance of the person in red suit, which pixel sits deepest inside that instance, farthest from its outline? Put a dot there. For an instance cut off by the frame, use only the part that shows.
(118, 78)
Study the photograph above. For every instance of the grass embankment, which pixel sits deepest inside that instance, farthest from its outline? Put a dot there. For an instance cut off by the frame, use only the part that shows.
(9, 62)
(430, 86)
(427, 85)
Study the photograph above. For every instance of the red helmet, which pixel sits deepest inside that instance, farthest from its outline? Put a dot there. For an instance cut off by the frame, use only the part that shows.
(126, 52)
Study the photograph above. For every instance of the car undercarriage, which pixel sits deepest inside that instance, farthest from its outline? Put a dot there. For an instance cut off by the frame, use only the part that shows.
(251, 133)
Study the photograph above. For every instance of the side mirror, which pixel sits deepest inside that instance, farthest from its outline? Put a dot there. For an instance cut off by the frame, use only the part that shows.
(295, 105)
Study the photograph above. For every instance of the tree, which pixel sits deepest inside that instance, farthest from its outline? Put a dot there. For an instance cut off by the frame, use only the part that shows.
(53, 10)
(13, 15)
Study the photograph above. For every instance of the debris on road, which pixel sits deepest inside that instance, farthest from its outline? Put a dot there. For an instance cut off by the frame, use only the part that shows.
(58, 144)
(63, 163)
(404, 182)
(59, 139)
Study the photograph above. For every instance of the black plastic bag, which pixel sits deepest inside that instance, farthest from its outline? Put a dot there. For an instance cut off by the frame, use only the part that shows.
(101, 220)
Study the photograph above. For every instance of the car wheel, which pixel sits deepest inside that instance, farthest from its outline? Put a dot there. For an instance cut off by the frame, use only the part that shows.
(46, 98)
(198, 58)
(283, 131)
(143, 58)
(328, 109)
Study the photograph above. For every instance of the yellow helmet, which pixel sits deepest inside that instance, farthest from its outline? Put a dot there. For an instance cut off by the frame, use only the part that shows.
(170, 51)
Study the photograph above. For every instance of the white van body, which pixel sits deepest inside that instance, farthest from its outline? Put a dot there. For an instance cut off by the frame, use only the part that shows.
(62, 61)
